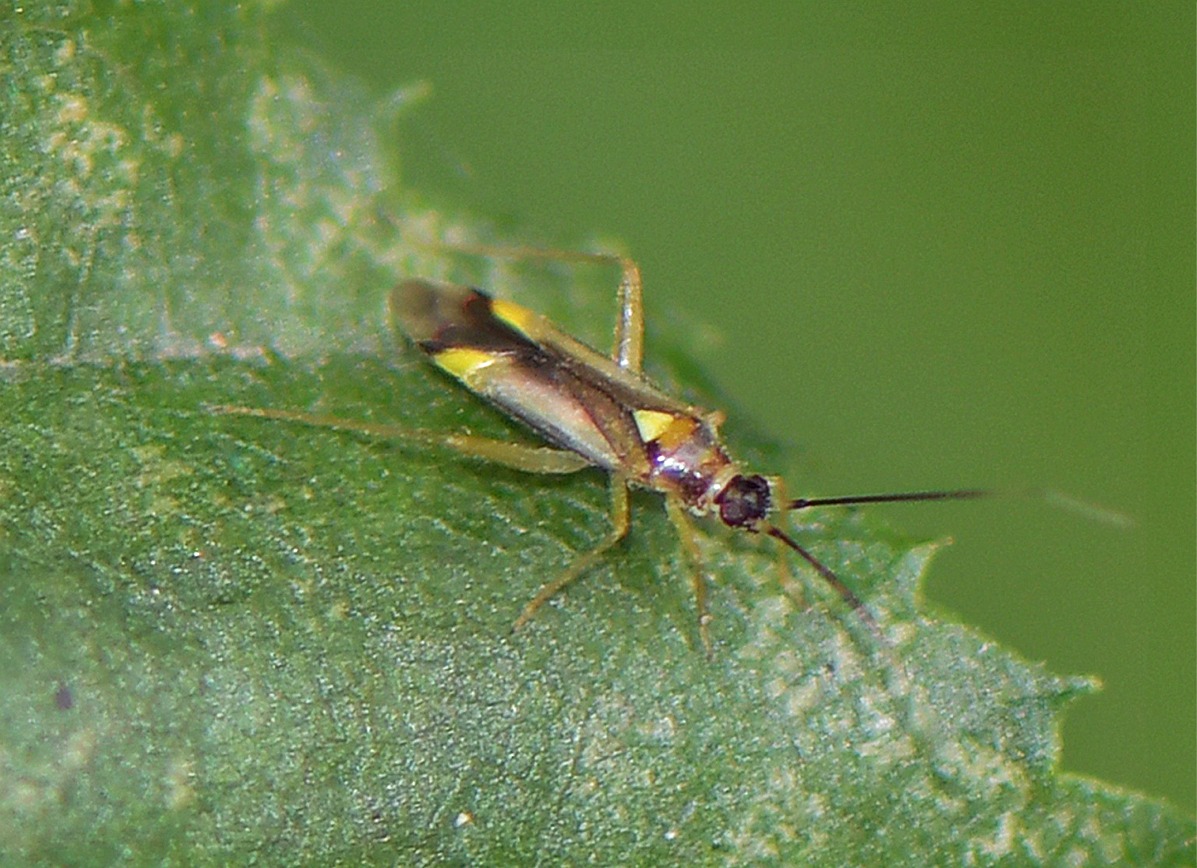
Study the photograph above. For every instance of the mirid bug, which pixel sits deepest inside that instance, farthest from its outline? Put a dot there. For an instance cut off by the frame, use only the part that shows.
(594, 411)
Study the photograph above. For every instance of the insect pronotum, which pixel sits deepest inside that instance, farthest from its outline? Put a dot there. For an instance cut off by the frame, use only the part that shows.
(594, 411)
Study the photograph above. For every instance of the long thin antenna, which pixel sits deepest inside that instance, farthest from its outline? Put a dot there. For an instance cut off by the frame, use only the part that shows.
(828, 576)
(1092, 511)
(905, 497)
(825, 571)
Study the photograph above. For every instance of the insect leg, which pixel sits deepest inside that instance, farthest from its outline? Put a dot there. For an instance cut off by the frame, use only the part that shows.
(530, 459)
(685, 533)
(620, 521)
(629, 328)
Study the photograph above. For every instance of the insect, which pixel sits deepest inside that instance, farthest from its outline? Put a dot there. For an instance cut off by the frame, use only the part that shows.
(593, 410)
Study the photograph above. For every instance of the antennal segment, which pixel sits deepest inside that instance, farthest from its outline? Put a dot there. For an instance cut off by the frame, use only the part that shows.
(828, 576)
(905, 497)
(1093, 511)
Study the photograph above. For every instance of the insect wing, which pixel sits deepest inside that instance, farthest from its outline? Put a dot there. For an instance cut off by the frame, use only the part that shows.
(531, 370)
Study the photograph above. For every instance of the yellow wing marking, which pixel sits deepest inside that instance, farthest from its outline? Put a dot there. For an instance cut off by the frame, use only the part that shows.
(519, 318)
(668, 429)
(463, 361)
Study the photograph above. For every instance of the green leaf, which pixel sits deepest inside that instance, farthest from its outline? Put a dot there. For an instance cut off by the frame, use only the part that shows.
(223, 638)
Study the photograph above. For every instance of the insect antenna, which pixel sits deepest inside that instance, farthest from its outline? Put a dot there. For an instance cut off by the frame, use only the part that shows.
(828, 576)
(1092, 511)
(904, 497)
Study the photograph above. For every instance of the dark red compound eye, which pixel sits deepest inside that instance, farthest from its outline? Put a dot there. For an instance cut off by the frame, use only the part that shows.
(744, 501)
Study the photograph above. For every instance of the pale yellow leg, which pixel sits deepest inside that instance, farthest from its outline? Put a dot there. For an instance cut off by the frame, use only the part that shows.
(620, 521)
(629, 327)
(685, 532)
(530, 459)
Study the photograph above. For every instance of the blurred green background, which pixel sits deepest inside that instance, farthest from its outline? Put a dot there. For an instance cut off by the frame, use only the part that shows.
(944, 247)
